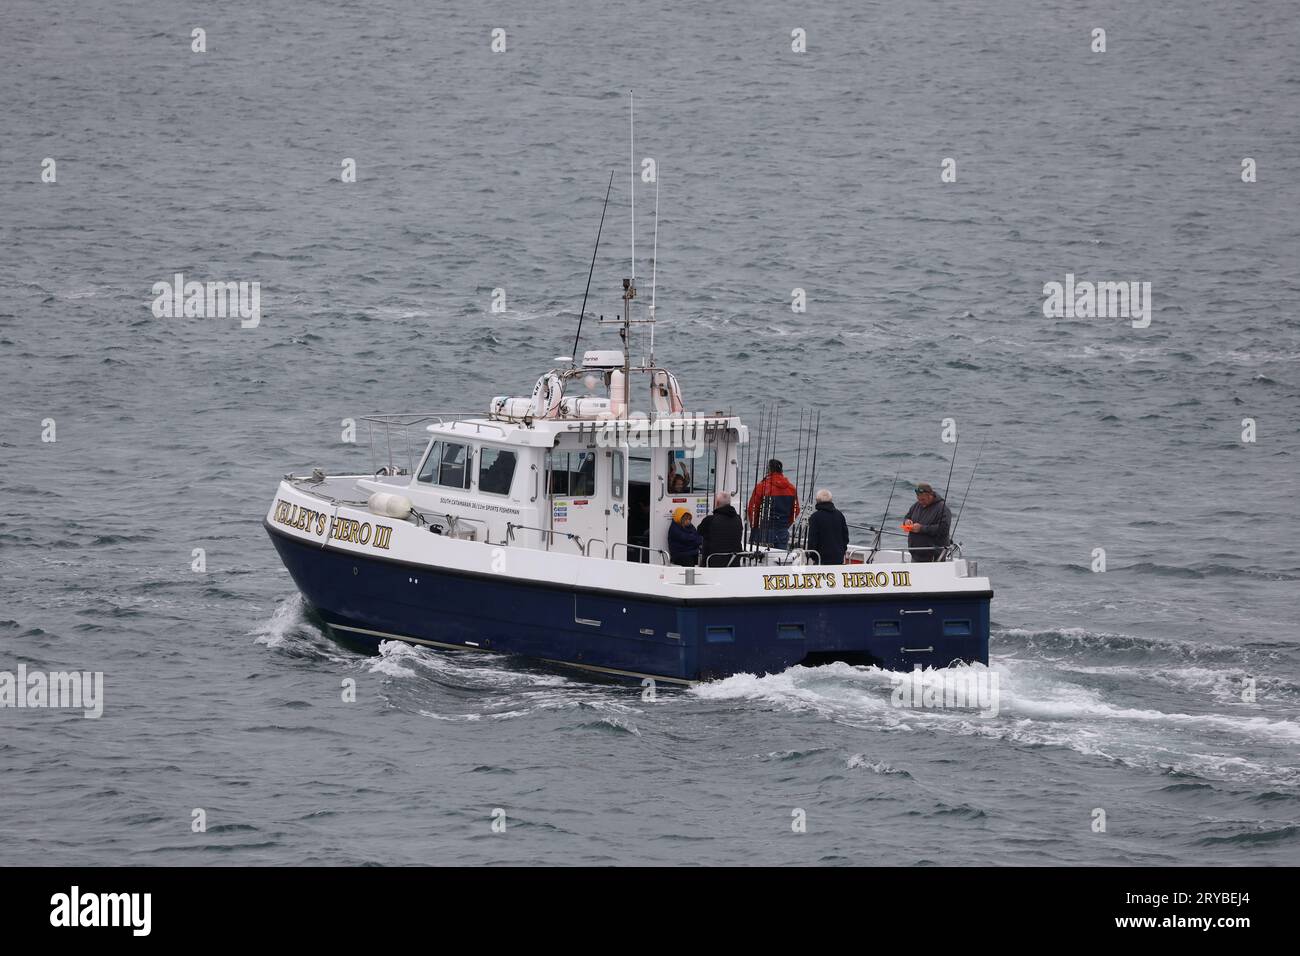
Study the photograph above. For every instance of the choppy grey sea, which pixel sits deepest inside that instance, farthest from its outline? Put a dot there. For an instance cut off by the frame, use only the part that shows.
(1164, 691)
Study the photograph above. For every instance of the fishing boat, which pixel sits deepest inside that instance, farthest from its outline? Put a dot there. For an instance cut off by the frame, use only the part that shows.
(539, 527)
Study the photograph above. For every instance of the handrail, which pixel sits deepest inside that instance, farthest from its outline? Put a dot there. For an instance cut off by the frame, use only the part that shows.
(511, 528)
(640, 547)
(405, 420)
(394, 418)
(298, 481)
(745, 557)
(946, 551)
(478, 426)
(586, 551)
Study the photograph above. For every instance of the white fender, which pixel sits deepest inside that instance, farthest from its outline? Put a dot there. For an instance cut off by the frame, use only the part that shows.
(617, 409)
(389, 505)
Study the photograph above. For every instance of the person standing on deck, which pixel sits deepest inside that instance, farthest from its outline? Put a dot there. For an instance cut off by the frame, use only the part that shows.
(828, 532)
(773, 507)
(927, 524)
(683, 540)
(722, 532)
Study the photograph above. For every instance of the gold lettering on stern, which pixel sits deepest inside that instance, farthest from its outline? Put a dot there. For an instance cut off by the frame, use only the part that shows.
(798, 582)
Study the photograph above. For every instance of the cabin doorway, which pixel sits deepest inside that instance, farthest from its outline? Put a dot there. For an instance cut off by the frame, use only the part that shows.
(638, 505)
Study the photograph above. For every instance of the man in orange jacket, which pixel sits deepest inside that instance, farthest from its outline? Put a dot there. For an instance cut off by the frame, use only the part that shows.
(773, 507)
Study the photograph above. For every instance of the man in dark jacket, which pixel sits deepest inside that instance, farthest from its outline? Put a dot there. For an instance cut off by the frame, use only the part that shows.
(683, 540)
(927, 524)
(722, 532)
(828, 532)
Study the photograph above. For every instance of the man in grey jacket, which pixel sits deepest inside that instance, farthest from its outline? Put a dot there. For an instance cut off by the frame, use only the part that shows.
(927, 524)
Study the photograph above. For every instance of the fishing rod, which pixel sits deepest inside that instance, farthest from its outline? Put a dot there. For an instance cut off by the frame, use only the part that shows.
(951, 466)
(798, 450)
(883, 518)
(957, 520)
(592, 270)
(769, 452)
(816, 442)
(872, 527)
(814, 432)
(753, 448)
(798, 474)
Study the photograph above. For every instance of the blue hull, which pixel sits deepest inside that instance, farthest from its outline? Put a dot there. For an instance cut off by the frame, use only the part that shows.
(372, 600)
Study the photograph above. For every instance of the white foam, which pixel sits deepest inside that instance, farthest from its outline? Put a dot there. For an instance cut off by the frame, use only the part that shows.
(288, 616)
(862, 761)
(392, 655)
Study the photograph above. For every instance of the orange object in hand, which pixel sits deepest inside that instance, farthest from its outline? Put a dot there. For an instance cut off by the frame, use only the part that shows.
(907, 526)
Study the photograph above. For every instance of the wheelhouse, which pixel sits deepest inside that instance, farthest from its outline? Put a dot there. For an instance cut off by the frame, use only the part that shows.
(600, 488)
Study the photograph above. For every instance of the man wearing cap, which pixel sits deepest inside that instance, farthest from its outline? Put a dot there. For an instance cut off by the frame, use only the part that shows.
(773, 507)
(683, 540)
(927, 524)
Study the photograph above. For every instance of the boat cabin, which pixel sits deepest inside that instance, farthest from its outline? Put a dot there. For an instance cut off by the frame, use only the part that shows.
(575, 474)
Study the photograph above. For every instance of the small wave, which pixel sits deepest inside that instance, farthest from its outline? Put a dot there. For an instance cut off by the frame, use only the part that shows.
(1254, 837)
(1198, 572)
(784, 756)
(291, 630)
(1225, 685)
(863, 762)
(611, 725)
(1077, 639)
(392, 659)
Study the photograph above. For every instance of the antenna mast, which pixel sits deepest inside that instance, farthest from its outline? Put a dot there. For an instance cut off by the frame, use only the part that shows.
(654, 270)
(591, 271)
(629, 285)
(631, 168)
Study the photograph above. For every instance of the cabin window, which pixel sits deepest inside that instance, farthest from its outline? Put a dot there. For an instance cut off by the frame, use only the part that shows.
(573, 473)
(691, 475)
(496, 470)
(430, 467)
(446, 464)
(680, 479)
(616, 476)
